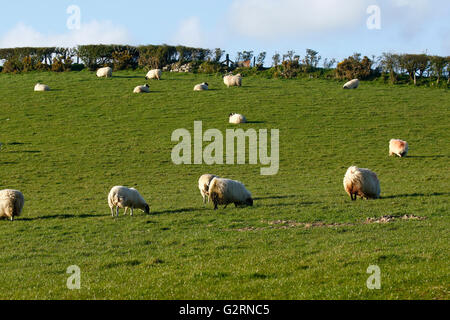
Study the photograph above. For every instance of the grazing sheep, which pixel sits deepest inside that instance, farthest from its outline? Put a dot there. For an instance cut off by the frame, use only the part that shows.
(233, 81)
(154, 74)
(122, 197)
(398, 147)
(354, 84)
(201, 87)
(361, 182)
(104, 72)
(237, 118)
(203, 185)
(41, 87)
(225, 191)
(11, 204)
(142, 89)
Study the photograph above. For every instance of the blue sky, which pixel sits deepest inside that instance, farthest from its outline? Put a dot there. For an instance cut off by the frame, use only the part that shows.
(335, 28)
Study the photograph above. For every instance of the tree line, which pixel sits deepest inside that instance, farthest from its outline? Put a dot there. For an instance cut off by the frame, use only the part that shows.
(391, 67)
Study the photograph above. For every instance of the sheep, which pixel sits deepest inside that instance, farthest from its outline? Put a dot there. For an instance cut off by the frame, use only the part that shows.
(41, 87)
(237, 118)
(233, 81)
(104, 72)
(11, 204)
(225, 191)
(203, 185)
(361, 182)
(201, 87)
(142, 89)
(398, 147)
(354, 84)
(123, 197)
(154, 74)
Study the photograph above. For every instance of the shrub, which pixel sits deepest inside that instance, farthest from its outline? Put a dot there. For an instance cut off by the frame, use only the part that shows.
(77, 67)
(61, 64)
(353, 67)
(209, 67)
(122, 60)
(12, 65)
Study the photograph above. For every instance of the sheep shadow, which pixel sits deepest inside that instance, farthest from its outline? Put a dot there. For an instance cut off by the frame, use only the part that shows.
(16, 144)
(275, 197)
(130, 77)
(157, 213)
(413, 195)
(256, 122)
(24, 151)
(426, 157)
(61, 216)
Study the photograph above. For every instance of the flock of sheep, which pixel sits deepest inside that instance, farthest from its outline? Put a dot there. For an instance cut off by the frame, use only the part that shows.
(357, 181)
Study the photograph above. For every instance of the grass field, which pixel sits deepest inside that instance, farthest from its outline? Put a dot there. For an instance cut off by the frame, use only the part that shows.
(303, 239)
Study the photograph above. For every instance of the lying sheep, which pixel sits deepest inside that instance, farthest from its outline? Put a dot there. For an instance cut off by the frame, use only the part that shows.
(122, 197)
(225, 191)
(203, 185)
(201, 87)
(354, 84)
(398, 147)
(237, 118)
(154, 74)
(104, 72)
(11, 204)
(361, 182)
(233, 81)
(142, 89)
(41, 87)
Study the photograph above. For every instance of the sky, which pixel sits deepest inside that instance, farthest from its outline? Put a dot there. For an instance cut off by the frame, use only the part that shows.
(334, 28)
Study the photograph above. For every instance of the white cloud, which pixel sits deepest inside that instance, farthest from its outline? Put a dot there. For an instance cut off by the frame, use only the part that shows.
(94, 32)
(282, 18)
(189, 33)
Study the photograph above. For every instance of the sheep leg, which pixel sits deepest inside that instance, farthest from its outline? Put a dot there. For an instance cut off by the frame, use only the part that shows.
(225, 206)
(112, 212)
(117, 212)
(125, 213)
(132, 211)
(216, 206)
(12, 218)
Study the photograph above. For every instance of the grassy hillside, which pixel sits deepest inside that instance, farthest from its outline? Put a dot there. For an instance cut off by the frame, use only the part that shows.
(303, 239)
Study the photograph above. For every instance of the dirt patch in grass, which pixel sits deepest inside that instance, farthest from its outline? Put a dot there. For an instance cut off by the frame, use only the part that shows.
(286, 224)
(388, 219)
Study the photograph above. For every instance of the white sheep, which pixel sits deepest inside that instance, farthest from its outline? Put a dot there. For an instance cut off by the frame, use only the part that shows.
(225, 191)
(233, 81)
(201, 87)
(236, 118)
(105, 72)
(11, 204)
(203, 185)
(361, 182)
(41, 87)
(142, 89)
(123, 197)
(354, 84)
(154, 74)
(398, 147)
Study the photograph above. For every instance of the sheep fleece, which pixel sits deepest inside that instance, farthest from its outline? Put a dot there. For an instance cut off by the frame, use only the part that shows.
(362, 182)
(225, 191)
(398, 147)
(11, 203)
(104, 72)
